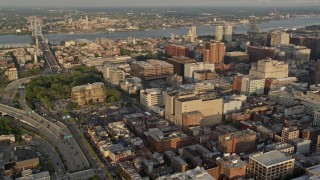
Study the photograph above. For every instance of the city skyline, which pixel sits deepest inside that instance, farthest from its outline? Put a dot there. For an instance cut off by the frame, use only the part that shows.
(144, 3)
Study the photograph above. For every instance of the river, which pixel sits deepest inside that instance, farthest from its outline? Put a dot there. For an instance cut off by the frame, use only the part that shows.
(206, 30)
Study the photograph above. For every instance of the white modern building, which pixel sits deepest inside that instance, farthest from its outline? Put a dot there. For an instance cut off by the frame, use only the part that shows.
(151, 97)
(228, 33)
(251, 86)
(219, 33)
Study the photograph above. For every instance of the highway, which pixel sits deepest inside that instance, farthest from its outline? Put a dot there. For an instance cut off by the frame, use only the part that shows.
(69, 149)
(11, 90)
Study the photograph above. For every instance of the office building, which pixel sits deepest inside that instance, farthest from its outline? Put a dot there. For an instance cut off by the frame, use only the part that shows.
(206, 55)
(218, 33)
(151, 69)
(231, 166)
(151, 97)
(116, 75)
(270, 165)
(298, 41)
(317, 72)
(192, 34)
(199, 173)
(281, 146)
(161, 142)
(131, 85)
(250, 86)
(289, 134)
(236, 57)
(190, 68)
(174, 81)
(216, 52)
(268, 68)
(176, 50)
(237, 81)
(318, 144)
(301, 146)
(316, 118)
(179, 64)
(228, 33)
(12, 74)
(202, 75)
(277, 38)
(91, 93)
(258, 53)
(179, 102)
(313, 43)
(237, 142)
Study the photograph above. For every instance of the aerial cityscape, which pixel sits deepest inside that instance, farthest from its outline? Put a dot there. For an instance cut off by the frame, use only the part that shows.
(160, 90)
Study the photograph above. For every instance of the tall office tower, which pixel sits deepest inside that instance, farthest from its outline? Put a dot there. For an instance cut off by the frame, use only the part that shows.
(206, 56)
(270, 165)
(228, 33)
(217, 51)
(192, 34)
(87, 20)
(317, 72)
(172, 37)
(219, 33)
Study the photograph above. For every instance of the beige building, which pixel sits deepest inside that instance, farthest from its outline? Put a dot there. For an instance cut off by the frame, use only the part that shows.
(116, 75)
(277, 38)
(190, 68)
(228, 33)
(289, 134)
(179, 102)
(268, 68)
(151, 97)
(270, 165)
(12, 74)
(84, 94)
(219, 33)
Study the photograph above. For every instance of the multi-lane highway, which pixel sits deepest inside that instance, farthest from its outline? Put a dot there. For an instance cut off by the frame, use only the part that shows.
(73, 156)
(12, 89)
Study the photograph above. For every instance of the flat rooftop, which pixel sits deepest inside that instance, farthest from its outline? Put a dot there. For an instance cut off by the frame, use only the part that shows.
(271, 158)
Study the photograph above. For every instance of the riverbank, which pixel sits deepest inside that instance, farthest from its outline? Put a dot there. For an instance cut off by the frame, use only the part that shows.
(205, 30)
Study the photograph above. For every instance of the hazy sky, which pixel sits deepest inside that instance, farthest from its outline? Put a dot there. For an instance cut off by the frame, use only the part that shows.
(110, 3)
